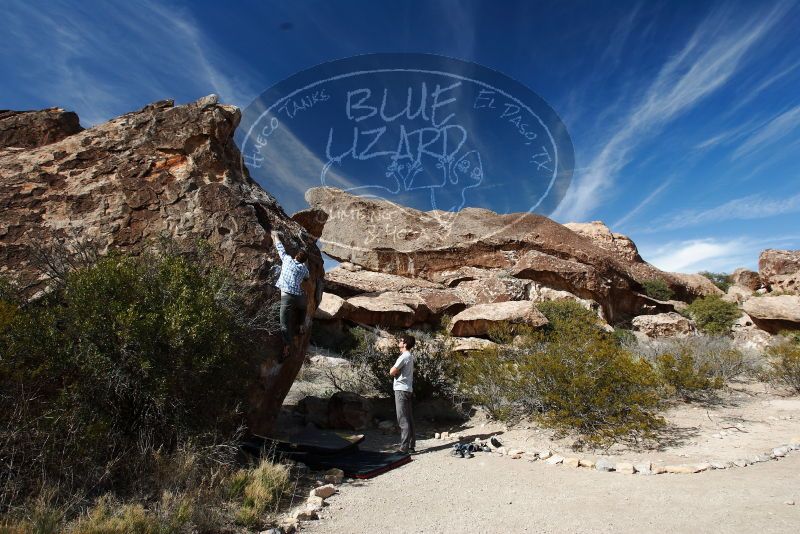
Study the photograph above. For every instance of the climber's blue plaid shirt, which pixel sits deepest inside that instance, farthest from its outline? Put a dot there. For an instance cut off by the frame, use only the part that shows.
(292, 272)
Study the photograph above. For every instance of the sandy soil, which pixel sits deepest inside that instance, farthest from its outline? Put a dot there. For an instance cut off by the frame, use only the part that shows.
(492, 493)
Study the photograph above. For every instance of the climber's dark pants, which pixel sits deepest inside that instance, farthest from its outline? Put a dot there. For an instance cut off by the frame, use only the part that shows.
(293, 313)
(405, 419)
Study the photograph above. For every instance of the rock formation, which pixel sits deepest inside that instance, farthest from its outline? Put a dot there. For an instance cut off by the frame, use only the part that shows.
(774, 313)
(489, 257)
(31, 129)
(162, 171)
(779, 270)
(664, 325)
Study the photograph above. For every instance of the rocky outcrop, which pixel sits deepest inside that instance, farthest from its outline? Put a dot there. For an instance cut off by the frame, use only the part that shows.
(165, 170)
(664, 325)
(350, 280)
(697, 284)
(602, 236)
(746, 336)
(31, 129)
(737, 294)
(747, 279)
(472, 344)
(774, 313)
(780, 270)
(453, 248)
(477, 320)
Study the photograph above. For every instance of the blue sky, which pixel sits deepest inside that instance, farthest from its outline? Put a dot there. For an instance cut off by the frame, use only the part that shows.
(685, 116)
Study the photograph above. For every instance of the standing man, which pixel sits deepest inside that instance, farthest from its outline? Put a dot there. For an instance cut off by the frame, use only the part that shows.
(403, 373)
(293, 301)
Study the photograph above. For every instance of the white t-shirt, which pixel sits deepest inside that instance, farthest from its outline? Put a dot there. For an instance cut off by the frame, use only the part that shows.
(405, 380)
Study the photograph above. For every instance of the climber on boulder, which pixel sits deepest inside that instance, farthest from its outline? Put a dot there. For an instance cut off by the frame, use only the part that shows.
(293, 300)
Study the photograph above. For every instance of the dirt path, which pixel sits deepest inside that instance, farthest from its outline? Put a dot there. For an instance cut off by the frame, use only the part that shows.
(493, 494)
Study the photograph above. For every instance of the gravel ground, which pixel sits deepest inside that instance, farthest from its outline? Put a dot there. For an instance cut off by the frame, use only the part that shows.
(493, 494)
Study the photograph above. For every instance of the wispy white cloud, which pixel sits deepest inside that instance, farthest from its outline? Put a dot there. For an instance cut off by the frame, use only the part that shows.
(764, 85)
(707, 62)
(775, 130)
(97, 59)
(744, 208)
(647, 200)
(717, 255)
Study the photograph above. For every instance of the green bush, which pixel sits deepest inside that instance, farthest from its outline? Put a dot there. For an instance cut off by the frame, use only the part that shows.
(784, 361)
(591, 386)
(488, 378)
(128, 355)
(721, 280)
(717, 356)
(572, 376)
(657, 289)
(713, 315)
(684, 377)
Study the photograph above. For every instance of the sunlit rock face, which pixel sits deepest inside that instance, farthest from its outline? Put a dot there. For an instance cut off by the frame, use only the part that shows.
(494, 256)
(164, 170)
(779, 270)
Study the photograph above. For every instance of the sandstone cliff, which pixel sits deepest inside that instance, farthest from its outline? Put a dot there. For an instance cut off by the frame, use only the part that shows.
(164, 170)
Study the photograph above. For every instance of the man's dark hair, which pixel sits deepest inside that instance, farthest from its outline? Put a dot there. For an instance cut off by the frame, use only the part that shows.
(409, 341)
(301, 256)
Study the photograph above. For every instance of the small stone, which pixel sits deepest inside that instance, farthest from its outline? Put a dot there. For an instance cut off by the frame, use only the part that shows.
(544, 454)
(624, 468)
(334, 476)
(658, 469)
(644, 468)
(516, 456)
(680, 469)
(741, 462)
(763, 457)
(586, 462)
(790, 503)
(604, 465)
(705, 466)
(289, 525)
(531, 457)
(437, 435)
(324, 491)
(445, 435)
(315, 503)
(721, 465)
(780, 452)
(305, 515)
(571, 462)
(517, 451)
(502, 451)
(555, 459)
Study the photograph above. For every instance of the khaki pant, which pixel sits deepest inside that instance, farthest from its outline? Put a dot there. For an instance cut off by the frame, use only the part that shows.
(405, 419)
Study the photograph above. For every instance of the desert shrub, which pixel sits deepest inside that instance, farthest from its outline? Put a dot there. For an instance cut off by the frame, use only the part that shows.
(117, 361)
(721, 280)
(434, 367)
(784, 359)
(260, 490)
(713, 315)
(657, 289)
(684, 377)
(716, 355)
(488, 378)
(572, 376)
(591, 386)
(623, 337)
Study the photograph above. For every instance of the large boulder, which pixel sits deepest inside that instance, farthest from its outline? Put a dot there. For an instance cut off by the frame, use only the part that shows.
(477, 320)
(350, 280)
(490, 290)
(664, 325)
(164, 170)
(774, 313)
(746, 278)
(393, 239)
(737, 294)
(698, 284)
(603, 237)
(780, 270)
(31, 129)
(332, 307)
